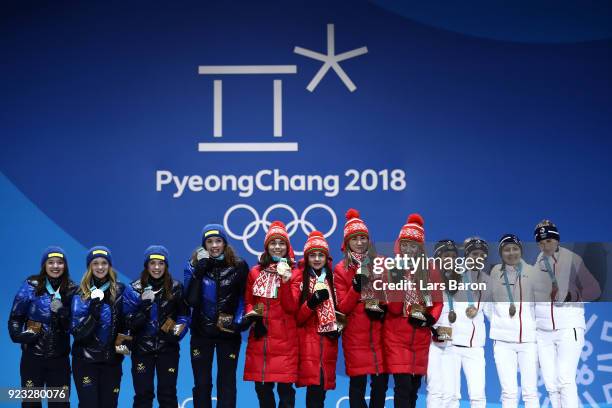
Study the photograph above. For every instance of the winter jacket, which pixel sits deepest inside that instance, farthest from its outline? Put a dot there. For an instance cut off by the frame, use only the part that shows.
(94, 339)
(144, 325)
(406, 347)
(362, 337)
(221, 290)
(273, 357)
(54, 338)
(520, 328)
(576, 285)
(317, 351)
(470, 332)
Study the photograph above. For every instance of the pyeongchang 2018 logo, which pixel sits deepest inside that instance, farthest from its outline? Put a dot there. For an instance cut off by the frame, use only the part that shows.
(330, 60)
(292, 222)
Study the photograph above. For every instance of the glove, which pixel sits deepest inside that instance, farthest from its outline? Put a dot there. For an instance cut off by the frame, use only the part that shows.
(95, 308)
(375, 314)
(428, 322)
(169, 337)
(260, 329)
(202, 267)
(62, 313)
(332, 334)
(28, 337)
(317, 298)
(357, 283)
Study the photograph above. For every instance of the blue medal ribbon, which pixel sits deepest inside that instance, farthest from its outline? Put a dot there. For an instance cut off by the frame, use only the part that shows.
(55, 293)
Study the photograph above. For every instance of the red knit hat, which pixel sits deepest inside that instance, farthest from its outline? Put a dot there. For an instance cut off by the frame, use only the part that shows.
(277, 230)
(316, 242)
(413, 229)
(354, 226)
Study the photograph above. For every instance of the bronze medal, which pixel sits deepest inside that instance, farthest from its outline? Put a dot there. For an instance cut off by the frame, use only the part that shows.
(471, 311)
(452, 316)
(512, 310)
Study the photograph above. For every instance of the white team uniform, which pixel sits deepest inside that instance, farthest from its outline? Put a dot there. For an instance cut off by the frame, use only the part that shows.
(515, 336)
(561, 325)
(469, 335)
(441, 384)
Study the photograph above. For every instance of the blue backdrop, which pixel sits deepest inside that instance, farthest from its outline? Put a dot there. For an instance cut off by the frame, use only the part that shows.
(485, 118)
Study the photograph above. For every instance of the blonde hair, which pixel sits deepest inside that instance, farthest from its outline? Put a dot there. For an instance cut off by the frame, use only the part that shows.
(87, 278)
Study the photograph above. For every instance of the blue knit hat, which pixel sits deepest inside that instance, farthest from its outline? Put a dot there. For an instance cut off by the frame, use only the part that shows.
(213, 230)
(99, 252)
(156, 252)
(53, 252)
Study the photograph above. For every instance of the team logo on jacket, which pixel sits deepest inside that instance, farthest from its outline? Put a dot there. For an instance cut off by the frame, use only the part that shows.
(195, 353)
(140, 368)
(172, 370)
(232, 356)
(295, 221)
(116, 390)
(29, 383)
(86, 381)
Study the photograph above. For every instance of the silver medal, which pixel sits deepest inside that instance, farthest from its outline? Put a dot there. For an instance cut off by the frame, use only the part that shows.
(56, 305)
(97, 294)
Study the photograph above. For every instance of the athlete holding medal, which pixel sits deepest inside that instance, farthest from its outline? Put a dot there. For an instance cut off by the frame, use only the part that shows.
(513, 326)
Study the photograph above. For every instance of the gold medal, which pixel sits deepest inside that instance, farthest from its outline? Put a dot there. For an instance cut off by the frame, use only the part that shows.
(452, 316)
(471, 311)
(320, 286)
(512, 310)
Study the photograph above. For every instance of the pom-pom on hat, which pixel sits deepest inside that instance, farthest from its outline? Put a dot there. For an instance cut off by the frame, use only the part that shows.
(278, 230)
(413, 229)
(316, 242)
(354, 226)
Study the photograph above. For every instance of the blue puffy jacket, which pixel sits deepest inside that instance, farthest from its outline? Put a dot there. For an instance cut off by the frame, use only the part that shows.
(54, 338)
(94, 339)
(145, 323)
(219, 290)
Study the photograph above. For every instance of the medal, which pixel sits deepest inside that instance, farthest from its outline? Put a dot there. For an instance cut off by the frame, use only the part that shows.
(320, 286)
(452, 316)
(471, 311)
(512, 310)
(97, 294)
(416, 311)
(56, 305)
(148, 294)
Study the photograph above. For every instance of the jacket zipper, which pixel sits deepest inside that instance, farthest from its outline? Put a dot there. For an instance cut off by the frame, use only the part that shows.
(265, 342)
(412, 348)
(552, 314)
(520, 310)
(473, 325)
(321, 362)
(372, 346)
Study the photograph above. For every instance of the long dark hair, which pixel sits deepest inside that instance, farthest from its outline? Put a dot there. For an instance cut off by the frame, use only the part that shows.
(167, 284)
(306, 280)
(42, 277)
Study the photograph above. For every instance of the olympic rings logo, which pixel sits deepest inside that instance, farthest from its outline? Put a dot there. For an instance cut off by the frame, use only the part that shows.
(253, 227)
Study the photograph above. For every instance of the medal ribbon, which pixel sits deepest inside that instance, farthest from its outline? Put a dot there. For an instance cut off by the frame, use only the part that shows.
(507, 282)
(55, 293)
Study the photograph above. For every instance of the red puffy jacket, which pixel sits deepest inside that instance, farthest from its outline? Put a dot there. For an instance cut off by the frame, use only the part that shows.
(406, 348)
(317, 351)
(362, 337)
(274, 357)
